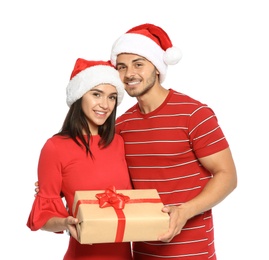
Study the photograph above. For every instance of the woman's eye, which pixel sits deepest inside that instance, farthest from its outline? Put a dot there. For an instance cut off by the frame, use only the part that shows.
(113, 97)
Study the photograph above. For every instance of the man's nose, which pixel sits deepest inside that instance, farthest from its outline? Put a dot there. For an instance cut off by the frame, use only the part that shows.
(129, 72)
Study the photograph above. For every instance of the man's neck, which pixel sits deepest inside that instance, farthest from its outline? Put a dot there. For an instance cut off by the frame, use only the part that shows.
(152, 100)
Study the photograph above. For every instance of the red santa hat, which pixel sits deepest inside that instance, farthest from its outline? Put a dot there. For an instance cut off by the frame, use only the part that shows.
(89, 74)
(151, 42)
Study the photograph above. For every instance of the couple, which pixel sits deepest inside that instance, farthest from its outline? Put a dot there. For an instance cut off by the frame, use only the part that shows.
(169, 141)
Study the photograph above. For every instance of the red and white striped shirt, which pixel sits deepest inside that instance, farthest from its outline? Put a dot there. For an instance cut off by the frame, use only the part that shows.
(162, 150)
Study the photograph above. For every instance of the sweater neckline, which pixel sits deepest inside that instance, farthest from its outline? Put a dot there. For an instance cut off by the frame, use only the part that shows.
(152, 113)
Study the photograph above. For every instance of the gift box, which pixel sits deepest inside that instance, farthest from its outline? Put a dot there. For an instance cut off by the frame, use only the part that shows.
(119, 216)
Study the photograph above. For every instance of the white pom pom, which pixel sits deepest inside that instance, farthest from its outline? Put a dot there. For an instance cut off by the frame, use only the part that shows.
(172, 56)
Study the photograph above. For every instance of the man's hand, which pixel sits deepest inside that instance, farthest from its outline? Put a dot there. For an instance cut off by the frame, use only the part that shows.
(36, 188)
(178, 219)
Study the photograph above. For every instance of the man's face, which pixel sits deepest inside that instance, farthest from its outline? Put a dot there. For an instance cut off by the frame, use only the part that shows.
(137, 73)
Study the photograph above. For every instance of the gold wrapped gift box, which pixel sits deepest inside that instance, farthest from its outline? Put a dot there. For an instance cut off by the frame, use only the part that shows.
(119, 216)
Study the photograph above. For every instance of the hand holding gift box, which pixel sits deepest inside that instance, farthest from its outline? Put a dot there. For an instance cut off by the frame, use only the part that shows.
(119, 216)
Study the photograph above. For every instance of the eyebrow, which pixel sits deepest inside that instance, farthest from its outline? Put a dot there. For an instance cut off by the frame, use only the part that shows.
(138, 59)
(101, 91)
(135, 60)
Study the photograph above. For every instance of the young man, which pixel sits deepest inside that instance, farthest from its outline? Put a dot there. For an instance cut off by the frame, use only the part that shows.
(173, 143)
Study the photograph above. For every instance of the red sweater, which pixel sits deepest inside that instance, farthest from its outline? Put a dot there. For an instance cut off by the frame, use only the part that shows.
(162, 148)
(64, 168)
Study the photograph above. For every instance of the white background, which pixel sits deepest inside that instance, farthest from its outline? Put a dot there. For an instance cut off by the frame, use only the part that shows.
(225, 64)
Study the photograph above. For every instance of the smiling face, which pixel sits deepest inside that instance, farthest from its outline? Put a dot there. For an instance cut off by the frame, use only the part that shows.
(98, 104)
(137, 73)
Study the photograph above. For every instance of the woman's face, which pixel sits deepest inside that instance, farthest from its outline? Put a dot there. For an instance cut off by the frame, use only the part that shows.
(98, 104)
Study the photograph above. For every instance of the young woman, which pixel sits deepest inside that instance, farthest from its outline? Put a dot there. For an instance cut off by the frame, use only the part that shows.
(85, 155)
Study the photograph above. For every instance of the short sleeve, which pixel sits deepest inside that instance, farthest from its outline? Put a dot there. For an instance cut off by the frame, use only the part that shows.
(205, 133)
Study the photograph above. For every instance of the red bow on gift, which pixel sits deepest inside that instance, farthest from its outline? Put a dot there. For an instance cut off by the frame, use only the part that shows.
(110, 198)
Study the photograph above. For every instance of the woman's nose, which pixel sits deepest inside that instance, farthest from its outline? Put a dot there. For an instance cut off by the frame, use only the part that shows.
(103, 103)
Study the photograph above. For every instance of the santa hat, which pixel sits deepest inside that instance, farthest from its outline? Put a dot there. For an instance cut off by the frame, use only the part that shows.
(151, 42)
(89, 74)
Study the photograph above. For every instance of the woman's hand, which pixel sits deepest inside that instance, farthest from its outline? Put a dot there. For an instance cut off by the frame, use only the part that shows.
(71, 226)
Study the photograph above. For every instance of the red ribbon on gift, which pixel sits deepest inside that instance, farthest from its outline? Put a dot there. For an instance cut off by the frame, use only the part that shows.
(110, 198)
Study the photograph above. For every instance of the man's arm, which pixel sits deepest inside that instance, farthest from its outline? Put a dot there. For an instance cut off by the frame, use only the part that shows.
(223, 182)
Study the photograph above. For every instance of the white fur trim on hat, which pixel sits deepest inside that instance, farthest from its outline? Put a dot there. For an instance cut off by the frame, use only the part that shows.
(143, 46)
(90, 78)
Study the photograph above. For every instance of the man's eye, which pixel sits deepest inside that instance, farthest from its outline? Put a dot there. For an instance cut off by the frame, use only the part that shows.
(120, 67)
